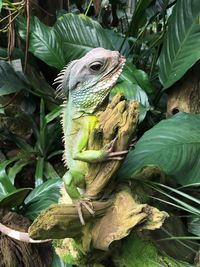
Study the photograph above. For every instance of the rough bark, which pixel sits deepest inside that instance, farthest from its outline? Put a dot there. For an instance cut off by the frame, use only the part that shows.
(184, 96)
(62, 220)
(14, 253)
(117, 210)
(118, 120)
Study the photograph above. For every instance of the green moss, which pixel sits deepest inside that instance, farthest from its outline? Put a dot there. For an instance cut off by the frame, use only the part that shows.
(68, 250)
(137, 252)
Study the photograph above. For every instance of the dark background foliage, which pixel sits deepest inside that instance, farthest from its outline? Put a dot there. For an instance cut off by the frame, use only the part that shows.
(160, 39)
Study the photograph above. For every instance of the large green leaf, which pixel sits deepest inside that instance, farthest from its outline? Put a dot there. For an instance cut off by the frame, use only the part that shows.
(193, 223)
(55, 113)
(132, 82)
(10, 80)
(173, 145)
(6, 187)
(50, 172)
(133, 75)
(79, 34)
(16, 168)
(4, 164)
(44, 43)
(118, 41)
(41, 197)
(181, 46)
(70, 38)
(16, 53)
(20, 142)
(15, 198)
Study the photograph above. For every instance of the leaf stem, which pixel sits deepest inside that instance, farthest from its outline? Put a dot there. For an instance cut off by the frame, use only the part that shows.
(88, 7)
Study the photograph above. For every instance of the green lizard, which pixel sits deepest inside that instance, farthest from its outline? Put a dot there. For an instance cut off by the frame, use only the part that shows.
(85, 83)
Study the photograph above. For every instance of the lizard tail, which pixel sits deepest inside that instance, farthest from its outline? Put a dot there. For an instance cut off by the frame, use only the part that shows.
(20, 236)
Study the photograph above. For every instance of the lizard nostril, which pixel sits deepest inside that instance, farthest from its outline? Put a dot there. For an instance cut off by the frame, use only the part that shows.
(117, 57)
(116, 54)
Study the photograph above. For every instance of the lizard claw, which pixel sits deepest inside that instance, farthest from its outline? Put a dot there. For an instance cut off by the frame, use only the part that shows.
(88, 205)
(118, 155)
(110, 146)
(133, 142)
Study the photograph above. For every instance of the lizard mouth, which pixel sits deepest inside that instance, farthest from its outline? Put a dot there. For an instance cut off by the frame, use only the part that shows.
(122, 59)
(112, 76)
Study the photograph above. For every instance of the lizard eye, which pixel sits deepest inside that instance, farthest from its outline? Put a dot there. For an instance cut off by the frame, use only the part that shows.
(96, 66)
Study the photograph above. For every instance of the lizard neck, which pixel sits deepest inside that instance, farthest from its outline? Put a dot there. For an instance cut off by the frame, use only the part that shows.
(71, 109)
(88, 100)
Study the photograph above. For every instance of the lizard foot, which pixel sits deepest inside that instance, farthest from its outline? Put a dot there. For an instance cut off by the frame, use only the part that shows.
(133, 143)
(118, 155)
(88, 205)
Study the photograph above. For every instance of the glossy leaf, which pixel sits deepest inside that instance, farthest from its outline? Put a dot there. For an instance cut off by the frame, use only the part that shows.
(0, 5)
(175, 201)
(133, 76)
(181, 46)
(17, 52)
(41, 197)
(10, 80)
(53, 114)
(41, 142)
(130, 87)
(131, 91)
(50, 172)
(141, 78)
(193, 223)
(79, 34)
(134, 92)
(39, 172)
(54, 133)
(15, 198)
(4, 164)
(16, 168)
(6, 187)
(44, 43)
(70, 38)
(118, 41)
(20, 142)
(173, 145)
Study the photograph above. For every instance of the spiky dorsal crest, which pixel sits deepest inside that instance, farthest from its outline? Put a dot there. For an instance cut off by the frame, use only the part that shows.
(62, 80)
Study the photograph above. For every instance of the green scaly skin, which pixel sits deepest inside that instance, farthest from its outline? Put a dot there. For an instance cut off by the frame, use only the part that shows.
(85, 83)
(85, 90)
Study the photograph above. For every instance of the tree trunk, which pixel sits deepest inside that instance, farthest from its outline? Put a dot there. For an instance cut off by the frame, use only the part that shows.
(184, 96)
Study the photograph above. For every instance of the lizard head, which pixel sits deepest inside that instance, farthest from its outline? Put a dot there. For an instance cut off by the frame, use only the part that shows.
(89, 79)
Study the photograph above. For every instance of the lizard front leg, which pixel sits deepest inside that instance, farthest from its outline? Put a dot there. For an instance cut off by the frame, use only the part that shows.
(93, 156)
(80, 154)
